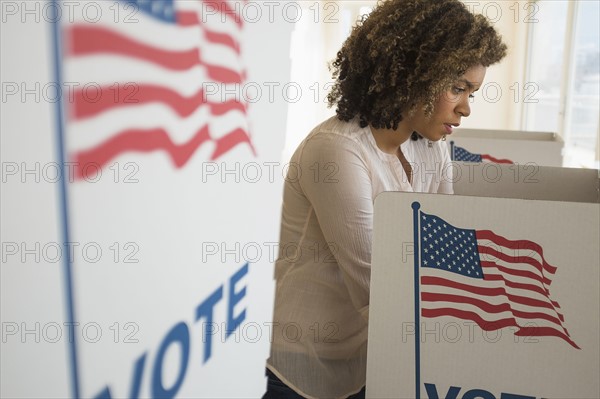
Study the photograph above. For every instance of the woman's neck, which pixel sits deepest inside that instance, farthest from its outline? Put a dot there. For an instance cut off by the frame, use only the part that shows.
(389, 140)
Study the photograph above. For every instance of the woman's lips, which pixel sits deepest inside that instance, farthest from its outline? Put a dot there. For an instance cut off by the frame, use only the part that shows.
(448, 128)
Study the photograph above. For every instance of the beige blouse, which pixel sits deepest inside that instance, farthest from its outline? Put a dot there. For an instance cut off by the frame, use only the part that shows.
(319, 343)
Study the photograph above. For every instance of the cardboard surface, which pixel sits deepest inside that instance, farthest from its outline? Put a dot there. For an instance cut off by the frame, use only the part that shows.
(529, 181)
(164, 252)
(541, 148)
(456, 356)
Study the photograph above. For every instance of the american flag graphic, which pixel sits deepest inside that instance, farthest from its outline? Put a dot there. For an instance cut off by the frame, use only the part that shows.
(483, 277)
(460, 154)
(151, 76)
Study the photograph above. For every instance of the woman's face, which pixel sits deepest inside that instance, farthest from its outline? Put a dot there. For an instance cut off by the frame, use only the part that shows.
(450, 107)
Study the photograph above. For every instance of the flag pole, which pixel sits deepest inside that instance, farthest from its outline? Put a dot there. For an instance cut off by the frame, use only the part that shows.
(64, 205)
(416, 206)
(452, 150)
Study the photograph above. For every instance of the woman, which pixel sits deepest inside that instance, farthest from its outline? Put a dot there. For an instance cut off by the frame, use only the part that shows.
(409, 69)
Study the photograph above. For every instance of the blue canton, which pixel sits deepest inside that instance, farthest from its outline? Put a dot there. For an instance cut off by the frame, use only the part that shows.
(163, 10)
(460, 154)
(446, 247)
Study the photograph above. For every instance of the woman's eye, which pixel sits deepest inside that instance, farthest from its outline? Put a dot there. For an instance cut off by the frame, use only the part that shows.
(459, 90)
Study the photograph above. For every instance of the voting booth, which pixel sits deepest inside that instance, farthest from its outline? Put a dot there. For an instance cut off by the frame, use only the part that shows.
(141, 191)
(484, 298)
(506, 147)
(528, 181)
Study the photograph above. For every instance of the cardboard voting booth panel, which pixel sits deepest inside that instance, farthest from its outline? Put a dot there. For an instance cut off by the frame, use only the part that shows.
(506, 146)
(484, 298)
(141, 187)
(529, 181)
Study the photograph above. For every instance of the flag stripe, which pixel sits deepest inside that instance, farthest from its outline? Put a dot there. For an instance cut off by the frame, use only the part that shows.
(89, 40)
(512, 272)
(222, 38)
(496, 291)
(523, 331)
(136, 140)
(498, 299)
(513, 259)
(486, 325)
(486, 306)
(496, 160)
(522, 286)
(229, 141)
(516, 245)
(139, 141)
(187, 18)
(544, 331)
(133, 95)
(226, 10)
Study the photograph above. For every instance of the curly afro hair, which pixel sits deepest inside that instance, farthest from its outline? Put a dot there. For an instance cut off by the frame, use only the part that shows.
(405, 54)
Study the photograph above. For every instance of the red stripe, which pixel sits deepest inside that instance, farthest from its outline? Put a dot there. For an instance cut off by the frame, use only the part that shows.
(496, 160)
(488, 307)
(516, 245)
(539, 289)
(222, 38)
(190, 18)
(88, 104)
(225, 9)
(138, 140)
(187, 18)
(514, 260)
(496, 291)
(227, 142)
(87, 40)
(544, 332)
(522, 286)
(516, 272)
(496, 325)
(466, 315)
(514, 284)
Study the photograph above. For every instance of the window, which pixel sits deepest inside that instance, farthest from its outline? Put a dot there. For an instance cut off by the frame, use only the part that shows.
(564, 65)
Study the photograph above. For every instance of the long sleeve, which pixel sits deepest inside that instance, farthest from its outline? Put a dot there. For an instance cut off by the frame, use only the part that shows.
(337, 183)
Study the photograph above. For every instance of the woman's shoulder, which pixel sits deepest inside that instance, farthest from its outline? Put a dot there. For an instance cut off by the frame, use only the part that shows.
(334, 139)
(335, 129)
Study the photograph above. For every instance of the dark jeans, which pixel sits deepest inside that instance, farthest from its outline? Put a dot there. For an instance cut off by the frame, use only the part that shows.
(278, 390)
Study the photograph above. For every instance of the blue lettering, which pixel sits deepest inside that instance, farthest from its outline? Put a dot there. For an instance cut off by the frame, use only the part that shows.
(478, 393)
(181, 334)
(205, 309)
(453, 392)
(234, 297)
(433, 394)
(105, 394)
(135, 386)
